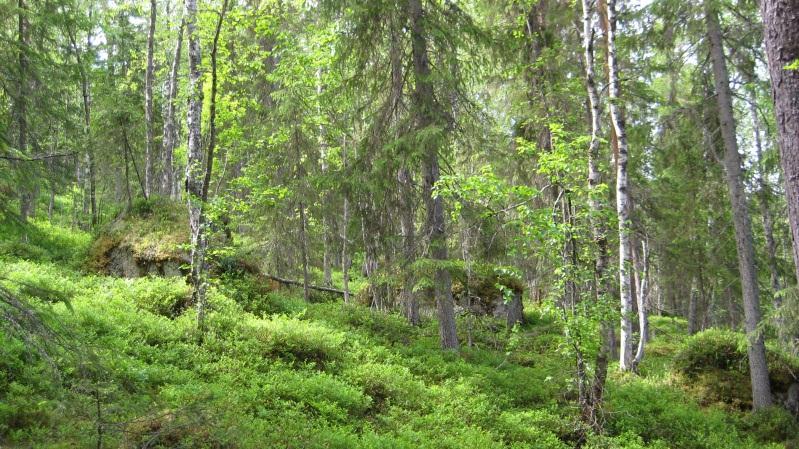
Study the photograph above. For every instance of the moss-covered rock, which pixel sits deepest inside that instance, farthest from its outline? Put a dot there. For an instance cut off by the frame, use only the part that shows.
(714, 367)
(150, 239)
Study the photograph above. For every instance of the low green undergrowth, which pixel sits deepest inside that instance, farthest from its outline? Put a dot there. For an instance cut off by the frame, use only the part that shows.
(273, 371)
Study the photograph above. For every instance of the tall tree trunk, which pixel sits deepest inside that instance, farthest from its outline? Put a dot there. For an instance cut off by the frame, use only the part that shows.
(765, 209)
(768, 218)
(761, 391)
(410, 303)
(622, 196)
(692, 306)
(170, 127)
(370, 251)
(194, 166)
(327, 257)
(86, 94)
(306, 291)
(326, 228)
(781, 25)
(149, 150)
(87, 131)
(345, 223)
(643, 312)
(593, 392)
(21, 105)
(209, 158)
(129, 203)
(428, 114)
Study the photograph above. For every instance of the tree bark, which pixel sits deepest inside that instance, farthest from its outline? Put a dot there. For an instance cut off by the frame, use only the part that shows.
(622, 196)
(692, 306)
(87, 101)
(345, 255)
(427, 113)
(194, 166)
(593, 391)
(149, 149)
(209, 158)
(781, 22)
(765, 209)
(781, 33)
(411, 305)
(170, 127)
(306, 292)
(25, 202)
(761, 391)
(643, 312)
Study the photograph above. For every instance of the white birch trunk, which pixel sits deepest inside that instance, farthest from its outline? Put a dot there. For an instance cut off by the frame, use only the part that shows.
(622, 197)
(194, 165)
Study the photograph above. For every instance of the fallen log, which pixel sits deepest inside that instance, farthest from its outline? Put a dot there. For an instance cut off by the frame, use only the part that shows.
(300, 284)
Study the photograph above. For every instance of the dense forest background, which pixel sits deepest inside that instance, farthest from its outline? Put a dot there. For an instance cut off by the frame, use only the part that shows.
(411, 223)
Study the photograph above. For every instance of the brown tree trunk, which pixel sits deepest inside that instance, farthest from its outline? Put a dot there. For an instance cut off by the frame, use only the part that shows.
(149, 149)
(170, 127)
(306, 291)
(765, 209)
(761, 391)
(692, 306)
(86, 94)
(20, 103)
(781, 32)
(428, 114)
(345, 222)
(409, 300)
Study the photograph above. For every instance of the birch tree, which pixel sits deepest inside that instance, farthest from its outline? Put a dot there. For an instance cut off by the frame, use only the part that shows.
(194, 165)
(622, 194)
(592, 392)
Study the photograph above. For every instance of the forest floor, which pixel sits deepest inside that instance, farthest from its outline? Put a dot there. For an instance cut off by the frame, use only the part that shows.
(126, 370)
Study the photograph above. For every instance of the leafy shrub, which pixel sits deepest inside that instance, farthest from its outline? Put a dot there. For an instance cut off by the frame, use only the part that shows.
(537, 427)
(390, 328)
(711, 349)
(322, 393)
(627, 440)
(161, 296)
(773, 424)
(388, 384)
(39, 240)
(295, 340)
(23, 250)
(656, 412)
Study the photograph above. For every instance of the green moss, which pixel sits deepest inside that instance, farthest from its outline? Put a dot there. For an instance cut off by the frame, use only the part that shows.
(153, 230)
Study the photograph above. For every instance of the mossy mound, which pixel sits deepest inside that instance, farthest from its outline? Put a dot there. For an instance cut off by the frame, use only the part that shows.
(482, 289)
(151, 238)
(714, 367)
(490, 290)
